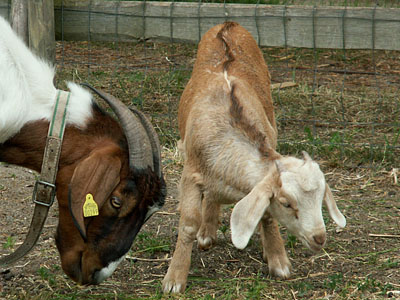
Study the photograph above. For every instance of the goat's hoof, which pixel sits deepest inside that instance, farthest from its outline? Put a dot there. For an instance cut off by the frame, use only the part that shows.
(280, 269)
(173, 286)
(205, 243)
(206, 237)
(283, 273)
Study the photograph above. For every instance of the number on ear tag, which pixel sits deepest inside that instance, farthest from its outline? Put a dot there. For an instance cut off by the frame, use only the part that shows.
(90, 208)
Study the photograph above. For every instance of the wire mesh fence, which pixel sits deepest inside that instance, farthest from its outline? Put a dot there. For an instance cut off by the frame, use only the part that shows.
(343, 107)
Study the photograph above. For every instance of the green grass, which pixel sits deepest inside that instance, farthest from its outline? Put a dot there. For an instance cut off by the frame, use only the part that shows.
(390, 264)
(244, 288)
(339, 121)
(359, 139)
(9, 244)
(149, 242)
(46, 274)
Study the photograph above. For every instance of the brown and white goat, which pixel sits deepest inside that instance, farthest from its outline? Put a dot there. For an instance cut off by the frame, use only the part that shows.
(118, 163)
(228, 138)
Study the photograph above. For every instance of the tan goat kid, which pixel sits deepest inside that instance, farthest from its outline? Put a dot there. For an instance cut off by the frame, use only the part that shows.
(228, 136)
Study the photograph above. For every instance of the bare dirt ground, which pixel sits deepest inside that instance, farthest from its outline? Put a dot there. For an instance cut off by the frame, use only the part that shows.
(362, 261)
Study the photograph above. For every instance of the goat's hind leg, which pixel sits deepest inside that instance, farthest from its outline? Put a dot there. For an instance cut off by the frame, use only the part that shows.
(190, 209)
(274, 252)
(207, 235)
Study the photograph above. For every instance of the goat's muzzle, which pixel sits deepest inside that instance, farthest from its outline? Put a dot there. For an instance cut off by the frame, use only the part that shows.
(86, 269)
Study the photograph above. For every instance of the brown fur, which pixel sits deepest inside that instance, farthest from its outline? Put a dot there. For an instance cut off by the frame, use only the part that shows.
(242, 105)
(273, 247)
(240, 121)
(228, 139)
(84, 156)
(251, 68)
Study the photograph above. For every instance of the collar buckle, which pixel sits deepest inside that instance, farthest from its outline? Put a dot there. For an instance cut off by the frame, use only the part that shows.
(37, 190)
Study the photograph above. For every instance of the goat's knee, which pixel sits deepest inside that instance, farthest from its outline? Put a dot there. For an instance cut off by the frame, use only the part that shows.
(190, 208)
(187, 232)
(176, 278)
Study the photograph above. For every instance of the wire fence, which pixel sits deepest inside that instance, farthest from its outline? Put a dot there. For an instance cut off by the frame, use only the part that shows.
(343, 105)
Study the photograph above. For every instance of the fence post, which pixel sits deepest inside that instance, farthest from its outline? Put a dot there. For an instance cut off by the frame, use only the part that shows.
(19, 19)
(41, 28)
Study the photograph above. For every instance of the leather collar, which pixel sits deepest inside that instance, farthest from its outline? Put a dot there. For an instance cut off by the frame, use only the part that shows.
(45, 189)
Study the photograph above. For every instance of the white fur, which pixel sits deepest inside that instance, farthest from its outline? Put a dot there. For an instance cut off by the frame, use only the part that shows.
(283, 272)
(27, 92)
(106, 272)
(173, 288)
(305, 182)
(227, 80)
(217, 111)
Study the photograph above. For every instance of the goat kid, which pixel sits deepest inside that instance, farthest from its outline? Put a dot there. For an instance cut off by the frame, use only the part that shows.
(118, 164)
(228, 139)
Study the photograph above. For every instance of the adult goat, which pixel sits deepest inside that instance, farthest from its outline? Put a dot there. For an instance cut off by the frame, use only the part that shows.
(118, 166)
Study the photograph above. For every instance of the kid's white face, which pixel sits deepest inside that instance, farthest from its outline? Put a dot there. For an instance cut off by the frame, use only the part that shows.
(298, 205)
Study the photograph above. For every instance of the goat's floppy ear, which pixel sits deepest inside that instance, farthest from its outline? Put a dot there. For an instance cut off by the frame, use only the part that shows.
(333, 210)
(248, 212)
(98, 175)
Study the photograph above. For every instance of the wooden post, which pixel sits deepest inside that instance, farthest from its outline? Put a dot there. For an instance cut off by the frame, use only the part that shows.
(19, 19)
(41, 28)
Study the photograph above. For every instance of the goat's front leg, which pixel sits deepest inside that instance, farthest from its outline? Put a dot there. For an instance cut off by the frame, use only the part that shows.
(190, 208)
(207, 235)
(274, 252)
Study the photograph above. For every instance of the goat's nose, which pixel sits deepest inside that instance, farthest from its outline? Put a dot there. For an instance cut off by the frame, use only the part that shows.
(320, 238)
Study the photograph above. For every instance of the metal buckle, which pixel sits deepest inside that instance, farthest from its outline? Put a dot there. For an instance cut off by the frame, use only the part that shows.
(52, 196)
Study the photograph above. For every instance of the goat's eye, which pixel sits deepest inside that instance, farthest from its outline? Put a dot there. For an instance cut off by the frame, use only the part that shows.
(116, 202)
(286, 204)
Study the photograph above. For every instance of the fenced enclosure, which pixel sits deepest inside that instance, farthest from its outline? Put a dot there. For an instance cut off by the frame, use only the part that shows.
(335, 73)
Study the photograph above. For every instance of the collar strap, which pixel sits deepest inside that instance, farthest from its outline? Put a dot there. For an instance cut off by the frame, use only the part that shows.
(44, 190)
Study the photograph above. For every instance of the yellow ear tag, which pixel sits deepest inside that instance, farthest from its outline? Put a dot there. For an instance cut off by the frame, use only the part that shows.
(90, 208)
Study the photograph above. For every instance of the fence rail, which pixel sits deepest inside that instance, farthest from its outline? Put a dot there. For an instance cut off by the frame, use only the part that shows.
(271, 25)
(292, 26)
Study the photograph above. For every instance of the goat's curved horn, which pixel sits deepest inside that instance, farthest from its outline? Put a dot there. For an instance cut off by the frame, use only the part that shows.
(154, 141)
(139, 142)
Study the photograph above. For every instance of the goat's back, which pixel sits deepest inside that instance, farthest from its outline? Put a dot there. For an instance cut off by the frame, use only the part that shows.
(231, 48)
(27, 92)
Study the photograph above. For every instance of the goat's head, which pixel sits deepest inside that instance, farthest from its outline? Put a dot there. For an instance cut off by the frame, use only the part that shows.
(292, 192)
(126, 191)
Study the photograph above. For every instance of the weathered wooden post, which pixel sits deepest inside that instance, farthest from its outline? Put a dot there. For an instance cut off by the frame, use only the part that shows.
(19, 19)
(41, 28)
